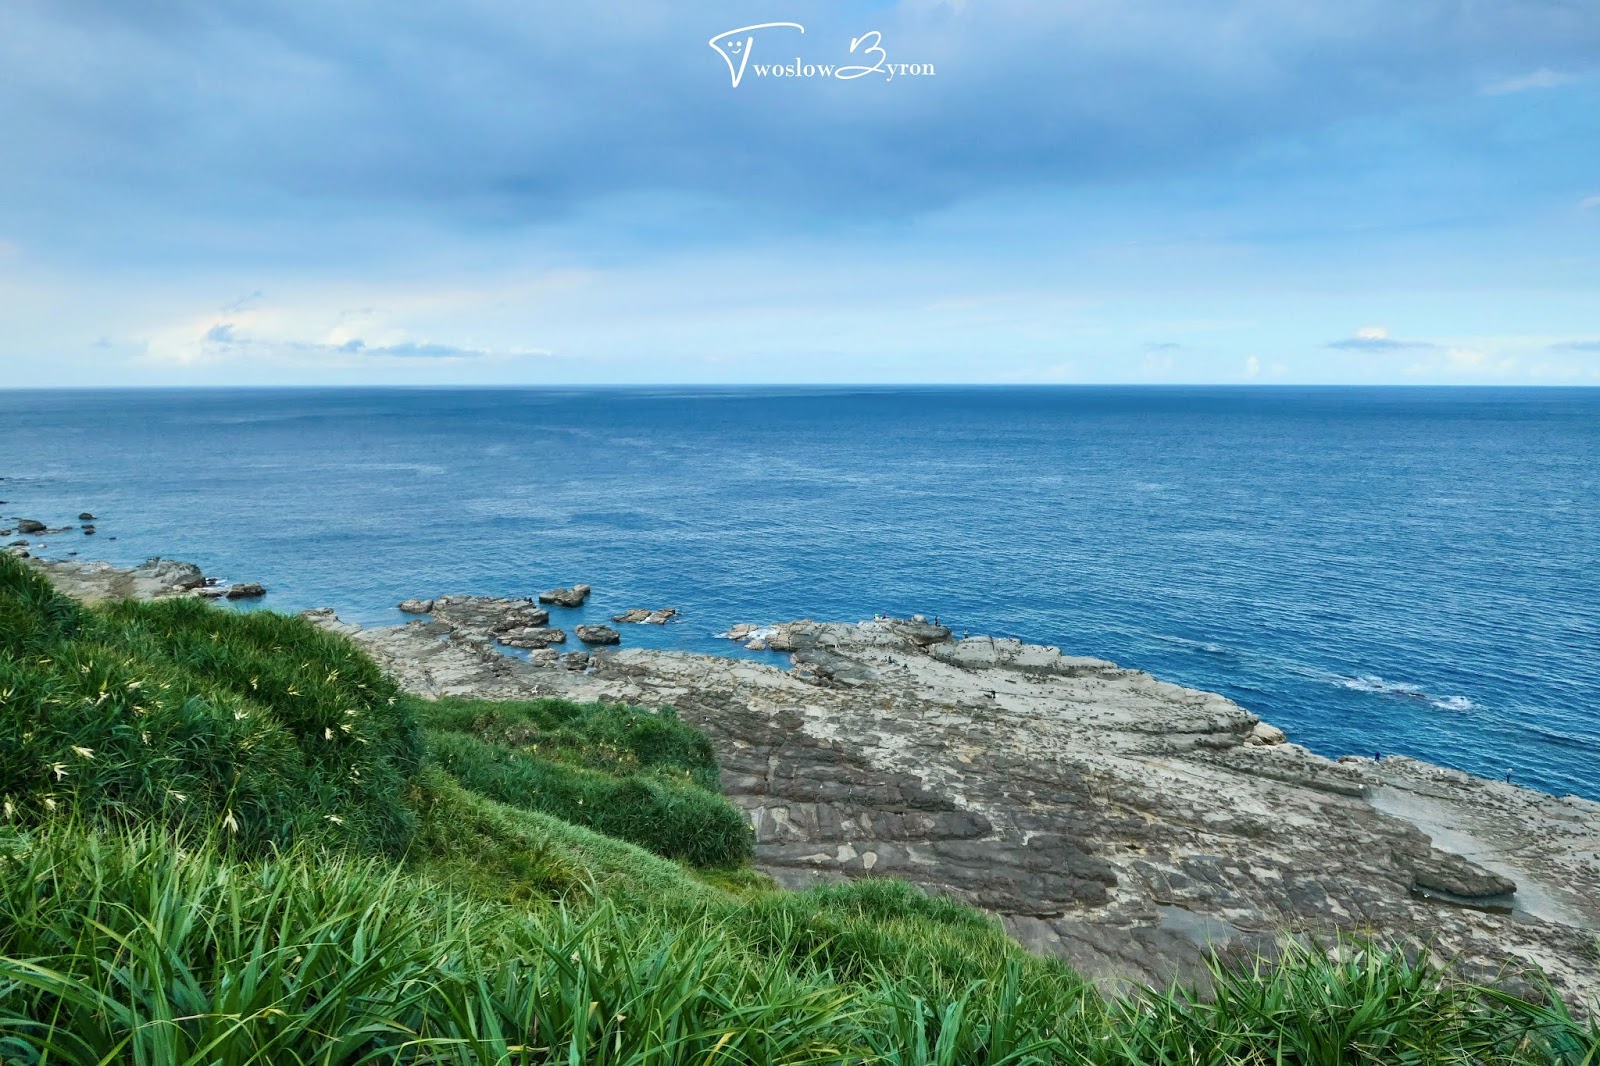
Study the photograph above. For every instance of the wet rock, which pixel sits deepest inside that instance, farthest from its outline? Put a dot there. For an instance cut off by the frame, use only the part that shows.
(86, 517)
(248, 590)
(30, 526)
(88, 531)
(566, 597)
(416, 606)
(20, 542)
(639, 615)
(598, 635)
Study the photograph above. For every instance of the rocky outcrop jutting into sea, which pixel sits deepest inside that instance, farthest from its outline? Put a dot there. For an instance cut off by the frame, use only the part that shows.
(1119, 821)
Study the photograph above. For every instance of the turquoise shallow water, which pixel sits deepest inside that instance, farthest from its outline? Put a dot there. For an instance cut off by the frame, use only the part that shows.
(1399, 570)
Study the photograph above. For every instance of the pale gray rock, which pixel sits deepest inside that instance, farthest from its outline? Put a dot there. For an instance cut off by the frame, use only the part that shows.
(416, 606)
(598, 635)
(532, 637)
(154, 578)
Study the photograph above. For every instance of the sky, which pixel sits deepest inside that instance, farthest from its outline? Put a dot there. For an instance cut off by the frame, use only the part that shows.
(1011, 191)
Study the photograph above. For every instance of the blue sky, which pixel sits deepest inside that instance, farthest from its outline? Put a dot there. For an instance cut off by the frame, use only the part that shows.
(1080, 191)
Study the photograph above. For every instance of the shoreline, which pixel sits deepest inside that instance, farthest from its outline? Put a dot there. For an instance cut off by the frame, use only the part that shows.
(1122, 822)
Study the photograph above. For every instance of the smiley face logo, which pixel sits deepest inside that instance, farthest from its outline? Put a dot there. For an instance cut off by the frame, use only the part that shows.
(734, 46)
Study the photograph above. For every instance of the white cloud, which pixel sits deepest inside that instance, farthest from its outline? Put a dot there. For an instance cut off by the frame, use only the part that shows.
(1543, 78)
(1252, 367)
(1589, 203)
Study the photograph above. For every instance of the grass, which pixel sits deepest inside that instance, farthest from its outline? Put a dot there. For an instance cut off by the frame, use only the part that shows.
(351, 877)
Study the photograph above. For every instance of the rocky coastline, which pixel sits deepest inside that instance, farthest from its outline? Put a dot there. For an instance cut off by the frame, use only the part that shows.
(1124, 823)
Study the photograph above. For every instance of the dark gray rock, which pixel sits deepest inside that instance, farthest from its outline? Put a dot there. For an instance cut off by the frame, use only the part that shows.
(567, 597)
(248, 590)
(86, 517)
(30, 526)
(598, 635)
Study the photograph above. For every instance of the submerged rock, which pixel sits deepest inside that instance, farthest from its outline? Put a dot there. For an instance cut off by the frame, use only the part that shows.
(639, 615)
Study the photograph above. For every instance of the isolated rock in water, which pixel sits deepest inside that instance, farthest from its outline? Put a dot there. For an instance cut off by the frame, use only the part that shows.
(249, 590)
(756, 645)
(531, 637)
(86, 517)
(88, 531)
(741, 632)
(20, 542)
(639, 614)
(598, 635)
(416, 606)
(28, 525)
(572, 597)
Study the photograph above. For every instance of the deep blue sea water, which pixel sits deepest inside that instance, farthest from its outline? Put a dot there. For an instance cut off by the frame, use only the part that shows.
(1400, 570)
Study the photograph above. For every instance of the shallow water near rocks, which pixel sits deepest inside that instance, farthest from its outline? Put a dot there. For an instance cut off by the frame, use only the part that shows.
(1374, 570)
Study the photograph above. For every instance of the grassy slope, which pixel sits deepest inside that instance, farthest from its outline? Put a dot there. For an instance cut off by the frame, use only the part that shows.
(326, 890)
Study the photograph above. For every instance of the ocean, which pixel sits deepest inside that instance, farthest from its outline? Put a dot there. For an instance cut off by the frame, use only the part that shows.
(1406, 571)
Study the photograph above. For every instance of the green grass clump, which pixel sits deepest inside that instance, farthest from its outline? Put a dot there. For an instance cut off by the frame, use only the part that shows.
(610, 737)
(260, 726)
(641, 777)
(140, 947)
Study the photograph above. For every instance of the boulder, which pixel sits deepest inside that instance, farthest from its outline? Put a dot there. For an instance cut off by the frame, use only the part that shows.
(28, 525)
(416, 606)
(531, 637)
(598, 635)
(20, 542)
(248, 590)
(88, 531)
(568, 597)
(1262, 733)
(86, 517)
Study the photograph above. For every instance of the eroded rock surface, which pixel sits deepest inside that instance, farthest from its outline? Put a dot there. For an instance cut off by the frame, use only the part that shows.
(1112, 818)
